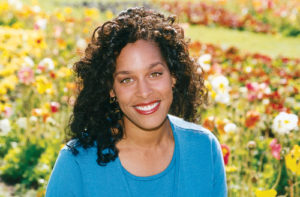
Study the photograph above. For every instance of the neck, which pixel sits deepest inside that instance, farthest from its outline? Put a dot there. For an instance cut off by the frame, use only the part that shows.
(140, 138)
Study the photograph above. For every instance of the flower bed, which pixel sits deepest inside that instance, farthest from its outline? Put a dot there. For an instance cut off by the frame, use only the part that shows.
(254, 111)
(257, 18)
(254, 108)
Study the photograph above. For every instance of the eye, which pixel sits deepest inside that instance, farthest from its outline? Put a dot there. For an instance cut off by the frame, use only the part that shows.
(155, 74)
(126, 80)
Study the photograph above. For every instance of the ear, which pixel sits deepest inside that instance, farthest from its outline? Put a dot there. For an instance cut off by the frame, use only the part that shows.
(112, 93)
(173, 81)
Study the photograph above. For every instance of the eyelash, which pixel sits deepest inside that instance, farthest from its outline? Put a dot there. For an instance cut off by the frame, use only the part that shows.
(157, 74)
(124, 80)
(152, 75)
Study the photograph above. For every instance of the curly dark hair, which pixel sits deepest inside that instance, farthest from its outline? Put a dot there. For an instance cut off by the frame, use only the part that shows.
(95, 119)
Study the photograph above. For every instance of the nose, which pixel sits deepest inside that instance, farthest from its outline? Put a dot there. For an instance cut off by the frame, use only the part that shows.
(144, 88)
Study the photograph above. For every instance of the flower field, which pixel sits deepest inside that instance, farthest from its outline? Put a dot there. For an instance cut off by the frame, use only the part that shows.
(263, 16)
(254, 105)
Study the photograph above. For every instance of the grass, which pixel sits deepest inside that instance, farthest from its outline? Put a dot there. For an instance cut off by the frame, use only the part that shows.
(247, 41)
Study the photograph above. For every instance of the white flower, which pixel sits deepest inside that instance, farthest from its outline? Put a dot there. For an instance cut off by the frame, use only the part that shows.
(51, 121)
(248, 69)
(22, 123)
(81, 43)
(41, 181)
(265, 101)
(222, 98)
(284, 123)
(46, 64)
(44, 167)
(33, 119)
(41, 23)
(220, 84)
(14, 144)
(230, 128)
(204, 61)
(16, 3)
(36, 9)
(28, 62)
(5, 126)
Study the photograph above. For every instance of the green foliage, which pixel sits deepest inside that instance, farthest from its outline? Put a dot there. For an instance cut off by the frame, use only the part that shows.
(19, 162)
(5, 144)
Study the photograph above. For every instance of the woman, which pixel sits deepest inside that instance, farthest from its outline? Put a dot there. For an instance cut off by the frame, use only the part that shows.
(135, 71)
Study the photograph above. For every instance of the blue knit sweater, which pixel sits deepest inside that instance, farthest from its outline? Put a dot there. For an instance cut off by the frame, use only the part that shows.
(196, 169)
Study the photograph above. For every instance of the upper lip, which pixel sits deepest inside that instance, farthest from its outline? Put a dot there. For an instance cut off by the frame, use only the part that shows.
(145, 104)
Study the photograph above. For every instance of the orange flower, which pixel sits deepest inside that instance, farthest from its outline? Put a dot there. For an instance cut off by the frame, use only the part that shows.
(220, 126)
(209, 123)
(252, 117)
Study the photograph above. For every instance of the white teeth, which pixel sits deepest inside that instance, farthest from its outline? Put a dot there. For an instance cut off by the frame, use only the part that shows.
(147, 107)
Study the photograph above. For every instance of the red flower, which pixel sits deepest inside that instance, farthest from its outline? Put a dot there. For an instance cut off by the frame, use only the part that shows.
(226, 153)
(54, 107)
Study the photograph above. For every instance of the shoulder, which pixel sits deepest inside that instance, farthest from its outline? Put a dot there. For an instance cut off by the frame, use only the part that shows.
(193, 135)
(66, 168)
(77, 153)
(189, 128)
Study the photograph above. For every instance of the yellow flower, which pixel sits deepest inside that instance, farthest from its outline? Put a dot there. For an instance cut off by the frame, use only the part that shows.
(3, 90)
(109, 15)
(265, 193)
(64, 72)
(43, 85)
(4, 6)
(257, 4)
(85, 30)
(292, 160)
(7, 71)
(91, 12)
(59, 16)
(11, 82)
(2, 107)
(68, 10)
(230, 169)
(8, 83)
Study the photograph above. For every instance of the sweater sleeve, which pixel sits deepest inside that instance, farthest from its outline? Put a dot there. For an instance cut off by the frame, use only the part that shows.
(219, 180)
(65, 179)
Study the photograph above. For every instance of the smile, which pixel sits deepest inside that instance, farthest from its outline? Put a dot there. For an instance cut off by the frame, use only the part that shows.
(147, 109)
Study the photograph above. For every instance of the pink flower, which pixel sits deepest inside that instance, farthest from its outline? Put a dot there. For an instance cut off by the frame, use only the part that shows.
(257, 91)
(8, 111)
(275, 149)
(25, 75)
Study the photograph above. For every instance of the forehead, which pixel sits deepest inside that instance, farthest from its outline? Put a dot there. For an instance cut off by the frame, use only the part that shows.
(139, 55)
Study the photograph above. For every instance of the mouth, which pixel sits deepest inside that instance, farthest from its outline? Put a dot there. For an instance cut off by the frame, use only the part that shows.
(147, 108)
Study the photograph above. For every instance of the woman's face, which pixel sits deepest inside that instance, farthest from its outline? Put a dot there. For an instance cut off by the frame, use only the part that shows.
(143, 85)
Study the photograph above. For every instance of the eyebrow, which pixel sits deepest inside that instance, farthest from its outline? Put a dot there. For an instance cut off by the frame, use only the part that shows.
(128, 72)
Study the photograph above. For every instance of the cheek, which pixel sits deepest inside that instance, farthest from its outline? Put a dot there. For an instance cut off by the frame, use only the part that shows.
(123, 94)
(165, 88)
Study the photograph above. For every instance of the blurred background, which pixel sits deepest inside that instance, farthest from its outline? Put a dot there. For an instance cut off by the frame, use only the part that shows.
(250, 54)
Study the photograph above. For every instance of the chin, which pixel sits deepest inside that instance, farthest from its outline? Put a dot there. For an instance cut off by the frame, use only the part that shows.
(148, 123)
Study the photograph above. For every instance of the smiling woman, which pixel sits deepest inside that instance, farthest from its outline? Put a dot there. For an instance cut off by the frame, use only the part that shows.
(147, 89)
(135, 73)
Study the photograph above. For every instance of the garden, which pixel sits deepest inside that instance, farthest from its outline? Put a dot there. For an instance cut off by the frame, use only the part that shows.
(248, 52)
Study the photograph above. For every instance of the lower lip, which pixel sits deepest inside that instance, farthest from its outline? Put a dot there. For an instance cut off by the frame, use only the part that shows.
(149, 111)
